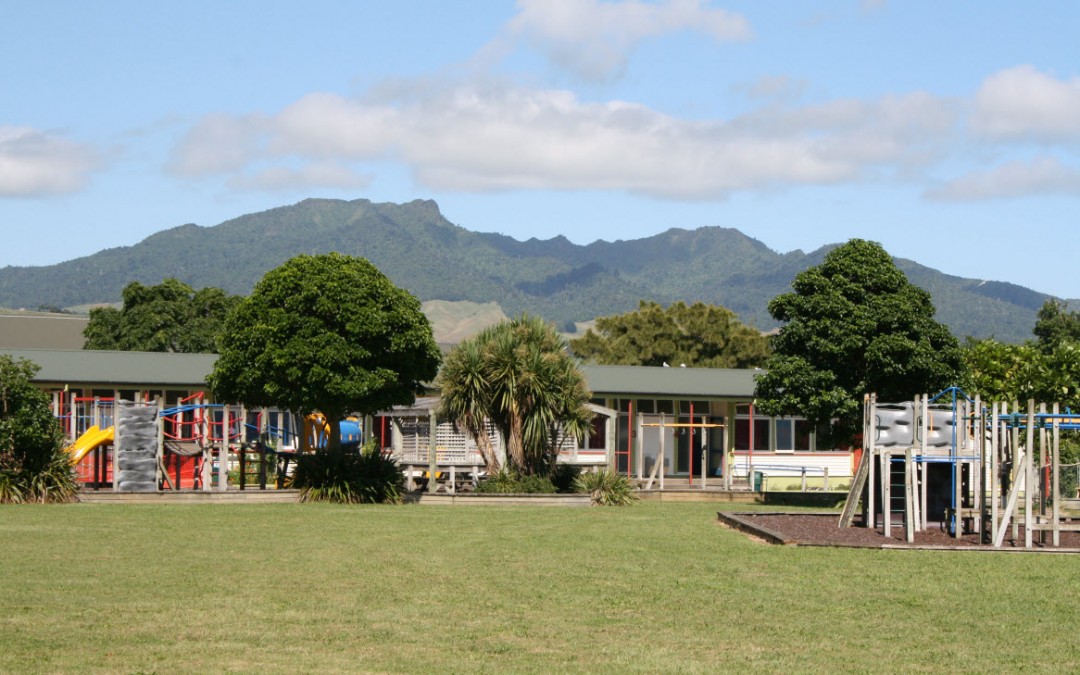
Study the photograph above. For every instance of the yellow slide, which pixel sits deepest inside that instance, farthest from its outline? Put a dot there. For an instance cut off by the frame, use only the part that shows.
(91, 438)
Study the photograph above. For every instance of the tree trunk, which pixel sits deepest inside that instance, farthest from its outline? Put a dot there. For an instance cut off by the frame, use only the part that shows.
(516, 442)
(333, 438)
(483, 443)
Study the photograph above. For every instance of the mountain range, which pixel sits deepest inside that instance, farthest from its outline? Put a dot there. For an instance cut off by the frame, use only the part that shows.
(422, 251)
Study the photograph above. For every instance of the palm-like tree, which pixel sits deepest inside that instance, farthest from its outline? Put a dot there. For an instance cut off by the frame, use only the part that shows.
(518, 375)
(465, 392)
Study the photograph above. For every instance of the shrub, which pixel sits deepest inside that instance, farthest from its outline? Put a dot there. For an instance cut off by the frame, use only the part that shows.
(507, 482)
(33, 464)
(348, 477)
(563, 477)
(502, 482)
(607, 488)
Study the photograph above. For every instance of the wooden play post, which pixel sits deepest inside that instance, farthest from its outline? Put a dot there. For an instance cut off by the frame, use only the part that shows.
(223, 453)
(869, 450)
(1056, 478)
(995, 482)
(909, 499)
(1042, 473)
(1029, 481)
(159, 455)
(433, 460)
(886, 491)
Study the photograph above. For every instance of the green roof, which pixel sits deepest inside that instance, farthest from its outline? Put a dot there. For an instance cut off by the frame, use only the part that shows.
(138, 369)
(120, 369)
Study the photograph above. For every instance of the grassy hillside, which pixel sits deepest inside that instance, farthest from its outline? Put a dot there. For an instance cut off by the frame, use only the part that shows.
(422, 251)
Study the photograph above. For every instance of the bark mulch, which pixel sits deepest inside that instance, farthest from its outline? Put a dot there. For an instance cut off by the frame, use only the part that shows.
(810, 529)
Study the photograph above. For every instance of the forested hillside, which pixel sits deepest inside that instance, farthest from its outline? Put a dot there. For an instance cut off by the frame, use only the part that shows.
(436, 260)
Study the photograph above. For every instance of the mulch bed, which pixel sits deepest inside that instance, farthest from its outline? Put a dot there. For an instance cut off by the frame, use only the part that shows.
(807, 529)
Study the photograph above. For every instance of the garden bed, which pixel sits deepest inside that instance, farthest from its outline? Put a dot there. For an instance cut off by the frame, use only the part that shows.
(815, 529)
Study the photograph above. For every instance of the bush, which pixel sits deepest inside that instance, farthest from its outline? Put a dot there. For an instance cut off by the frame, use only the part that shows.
(563, 477)
(348, 477)
(506, 482)
(33, 464)
(607, 488)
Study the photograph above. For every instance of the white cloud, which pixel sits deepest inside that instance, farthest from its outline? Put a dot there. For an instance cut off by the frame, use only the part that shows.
(1023, 103)
(1041, 176)
(219, 143)
(594, 38)
(34, 163)
(327, 125)
(494, 137)
(314, 175)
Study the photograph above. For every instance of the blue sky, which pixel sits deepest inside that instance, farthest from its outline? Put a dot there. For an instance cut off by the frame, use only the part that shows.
(949, 132)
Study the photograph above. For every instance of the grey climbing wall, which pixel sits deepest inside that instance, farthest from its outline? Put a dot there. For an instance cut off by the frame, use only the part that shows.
(940, 427)
(898, 425)
(137, 441)
(895, 424)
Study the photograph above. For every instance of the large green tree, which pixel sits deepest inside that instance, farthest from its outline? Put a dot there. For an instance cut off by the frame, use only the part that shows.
(1001, 371)
(1055, 325)
(1009, 372)
(518, 375)
(168, 317)
(33, 465)
(696, 335)
(853, 325)
(327, 333)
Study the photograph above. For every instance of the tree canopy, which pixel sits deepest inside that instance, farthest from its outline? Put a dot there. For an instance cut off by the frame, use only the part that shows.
(33, 466)
(328, 333)
(1055, 325)
(518, 375)
(168, 317)
(1047, 369)
(853, 325)
(696, 335)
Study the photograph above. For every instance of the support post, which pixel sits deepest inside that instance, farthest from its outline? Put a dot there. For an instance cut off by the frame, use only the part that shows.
(1029, 476)
(909, 499)
(995, 483)
(870, 449)
(660, 457)
(433, 461)
(886, 491)
(1055, 464)
(223, 453)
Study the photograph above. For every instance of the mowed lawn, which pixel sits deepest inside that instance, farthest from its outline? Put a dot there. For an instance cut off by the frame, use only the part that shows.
(650, 588)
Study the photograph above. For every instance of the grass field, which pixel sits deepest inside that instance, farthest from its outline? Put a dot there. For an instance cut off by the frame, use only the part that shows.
(654, 587)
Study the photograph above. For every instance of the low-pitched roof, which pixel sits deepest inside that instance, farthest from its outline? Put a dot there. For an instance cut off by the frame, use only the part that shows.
(118, 368)
(164, 369)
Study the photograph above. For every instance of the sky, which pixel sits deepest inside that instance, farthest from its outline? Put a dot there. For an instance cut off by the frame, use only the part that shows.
(947, 131)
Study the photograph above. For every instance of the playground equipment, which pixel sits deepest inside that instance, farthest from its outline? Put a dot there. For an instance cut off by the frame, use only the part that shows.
(90, 440)
(971, 467)
(194, 444)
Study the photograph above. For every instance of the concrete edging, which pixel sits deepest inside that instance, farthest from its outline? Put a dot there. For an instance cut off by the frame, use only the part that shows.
(475, 499)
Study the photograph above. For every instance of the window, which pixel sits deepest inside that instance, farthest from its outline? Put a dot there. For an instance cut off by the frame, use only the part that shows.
(792, 434)
(761, 433)
(700, 407)
(785, 435)
(598, 433)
